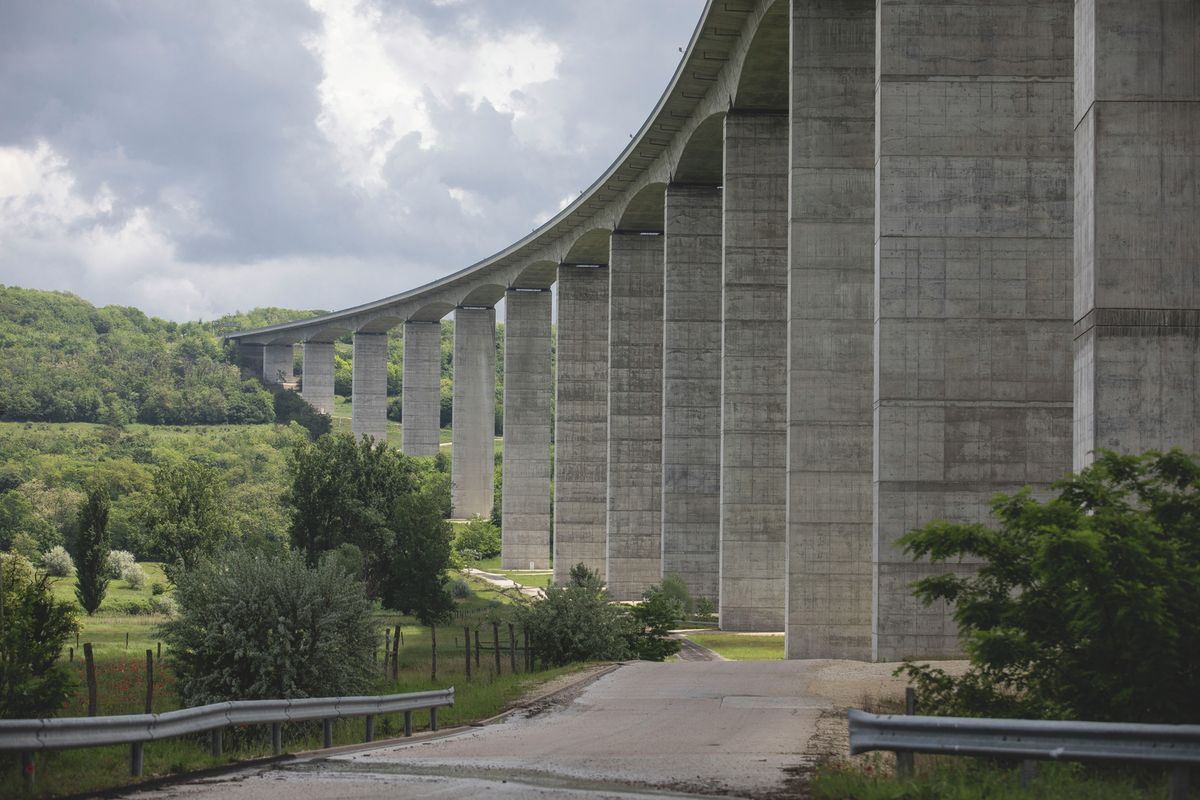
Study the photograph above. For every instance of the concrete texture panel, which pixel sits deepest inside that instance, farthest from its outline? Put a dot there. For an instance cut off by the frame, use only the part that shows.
(581, 421)
(473, 451)
(527, 386)
(635, 414)
(1137, 241)
(421, 390)
(278, 363)
(691, 446)
(973, 233)
(754, 372)
(830, 330)
(368, 409)
(317, 383)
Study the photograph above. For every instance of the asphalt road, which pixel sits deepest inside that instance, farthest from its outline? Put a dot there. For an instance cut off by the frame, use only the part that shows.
(678, 729)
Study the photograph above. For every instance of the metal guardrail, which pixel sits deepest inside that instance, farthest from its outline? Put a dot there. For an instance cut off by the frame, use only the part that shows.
(1174, 746)
(27, 736)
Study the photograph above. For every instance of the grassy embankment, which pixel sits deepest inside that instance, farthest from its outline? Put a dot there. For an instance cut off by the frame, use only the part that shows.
(742, 646)
(121, 679)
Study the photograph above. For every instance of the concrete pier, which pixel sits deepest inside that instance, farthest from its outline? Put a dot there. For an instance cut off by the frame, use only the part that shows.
(754, 372)
(1137, 227)
(279, 363)
(831, 329)
(581, 420)
(635, 369)
(691, 444)
(368, 408)
(473, 449)
(973, 252)
(421, 391)
(316, 385)
(525, 516)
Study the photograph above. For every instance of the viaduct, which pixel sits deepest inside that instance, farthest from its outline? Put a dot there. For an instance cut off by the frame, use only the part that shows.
(866, 263)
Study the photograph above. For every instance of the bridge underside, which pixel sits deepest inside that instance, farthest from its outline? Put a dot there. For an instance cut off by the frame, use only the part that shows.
(894, 257)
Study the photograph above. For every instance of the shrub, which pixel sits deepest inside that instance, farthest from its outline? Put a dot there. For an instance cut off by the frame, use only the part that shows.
(33, 680)
(348, 558)
(460, 589)
(653, 619)
(705, 609)
(1086, 606)
(57, 562)
(478, 535)
(134, 575)
(674, 587)
(576, 622)
(157, 588)
(255, 626)
(164, 604)
(118, 561)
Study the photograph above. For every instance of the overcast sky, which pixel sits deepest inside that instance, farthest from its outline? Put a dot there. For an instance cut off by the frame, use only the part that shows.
(196, 158)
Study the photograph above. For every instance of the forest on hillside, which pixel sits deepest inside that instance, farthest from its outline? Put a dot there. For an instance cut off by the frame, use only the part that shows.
(64, 360)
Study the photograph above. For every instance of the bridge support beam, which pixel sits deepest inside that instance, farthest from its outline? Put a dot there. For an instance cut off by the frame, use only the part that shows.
(635, 365)
(525, 506)
(421, 391)
(1137, 242)
(691, 446)
(581, 420)
(754, 372)
(831, 329)
(317, 382)
(973, 258)
(279, 363)
(473, 453)
(368, 408)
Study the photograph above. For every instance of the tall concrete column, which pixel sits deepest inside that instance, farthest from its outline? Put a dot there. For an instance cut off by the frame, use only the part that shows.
(473, 452)
(635, 364)
(973, 259)
(581, 420)
(1137, 235)
(421, 391)
(831, 329)
(691, 398)
(525, 517)
(317, 383)
(279, 363)
(754, 372)
(368, 407)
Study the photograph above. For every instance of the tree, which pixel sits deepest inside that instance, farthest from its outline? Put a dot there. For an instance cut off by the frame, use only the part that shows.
(93, 549)
(254, 626)
(576, 622)
(1086, 606)
(34, 627)
(388, 505)
(184, 517)
(653, 619)
(479, 537)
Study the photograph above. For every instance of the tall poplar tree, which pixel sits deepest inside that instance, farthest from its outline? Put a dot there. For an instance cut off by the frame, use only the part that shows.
(94, 545)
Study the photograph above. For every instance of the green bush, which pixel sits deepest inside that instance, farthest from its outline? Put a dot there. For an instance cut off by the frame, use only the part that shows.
(163, 604)
(254, 626)
(25, 546)
(34, 628)
(674, 587)
(1086, 606)
(157, 589)
(576, 622)
(134, 575)
(460, 589)
(118, 561)
(659, 612)
(57, 562)
(479, 536)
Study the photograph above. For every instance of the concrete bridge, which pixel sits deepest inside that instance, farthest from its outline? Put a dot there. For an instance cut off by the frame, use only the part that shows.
(866, 263)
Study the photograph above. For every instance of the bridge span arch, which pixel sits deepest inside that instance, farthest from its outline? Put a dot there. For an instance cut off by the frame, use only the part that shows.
(864, 265)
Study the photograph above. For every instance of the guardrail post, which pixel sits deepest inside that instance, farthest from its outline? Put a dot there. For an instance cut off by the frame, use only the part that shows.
(276, 738)
(408, 723)
(369, 731)
(327, 733)
(1178, 782)
(433, 718)
(28, 769)
(904, 761)
(217, 741)
(1028, 772)
(135, 759)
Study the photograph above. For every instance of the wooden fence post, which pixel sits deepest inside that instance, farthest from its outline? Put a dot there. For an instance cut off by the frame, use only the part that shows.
(528, 653)
(467, 649)
(433, 651)
(477, 648)
(512, 648)
(149, 681)
(396, 640)
(387, 649)
(496, 645)
(90, 667)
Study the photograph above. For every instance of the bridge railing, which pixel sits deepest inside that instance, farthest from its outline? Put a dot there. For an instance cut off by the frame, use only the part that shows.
(27, 736)
(1176, 747)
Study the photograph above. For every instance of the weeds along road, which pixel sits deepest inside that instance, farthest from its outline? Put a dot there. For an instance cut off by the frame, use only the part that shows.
(727, 728)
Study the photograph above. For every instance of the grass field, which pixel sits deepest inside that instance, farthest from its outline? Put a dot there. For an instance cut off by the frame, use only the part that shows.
(742, 646)
(538, 578)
